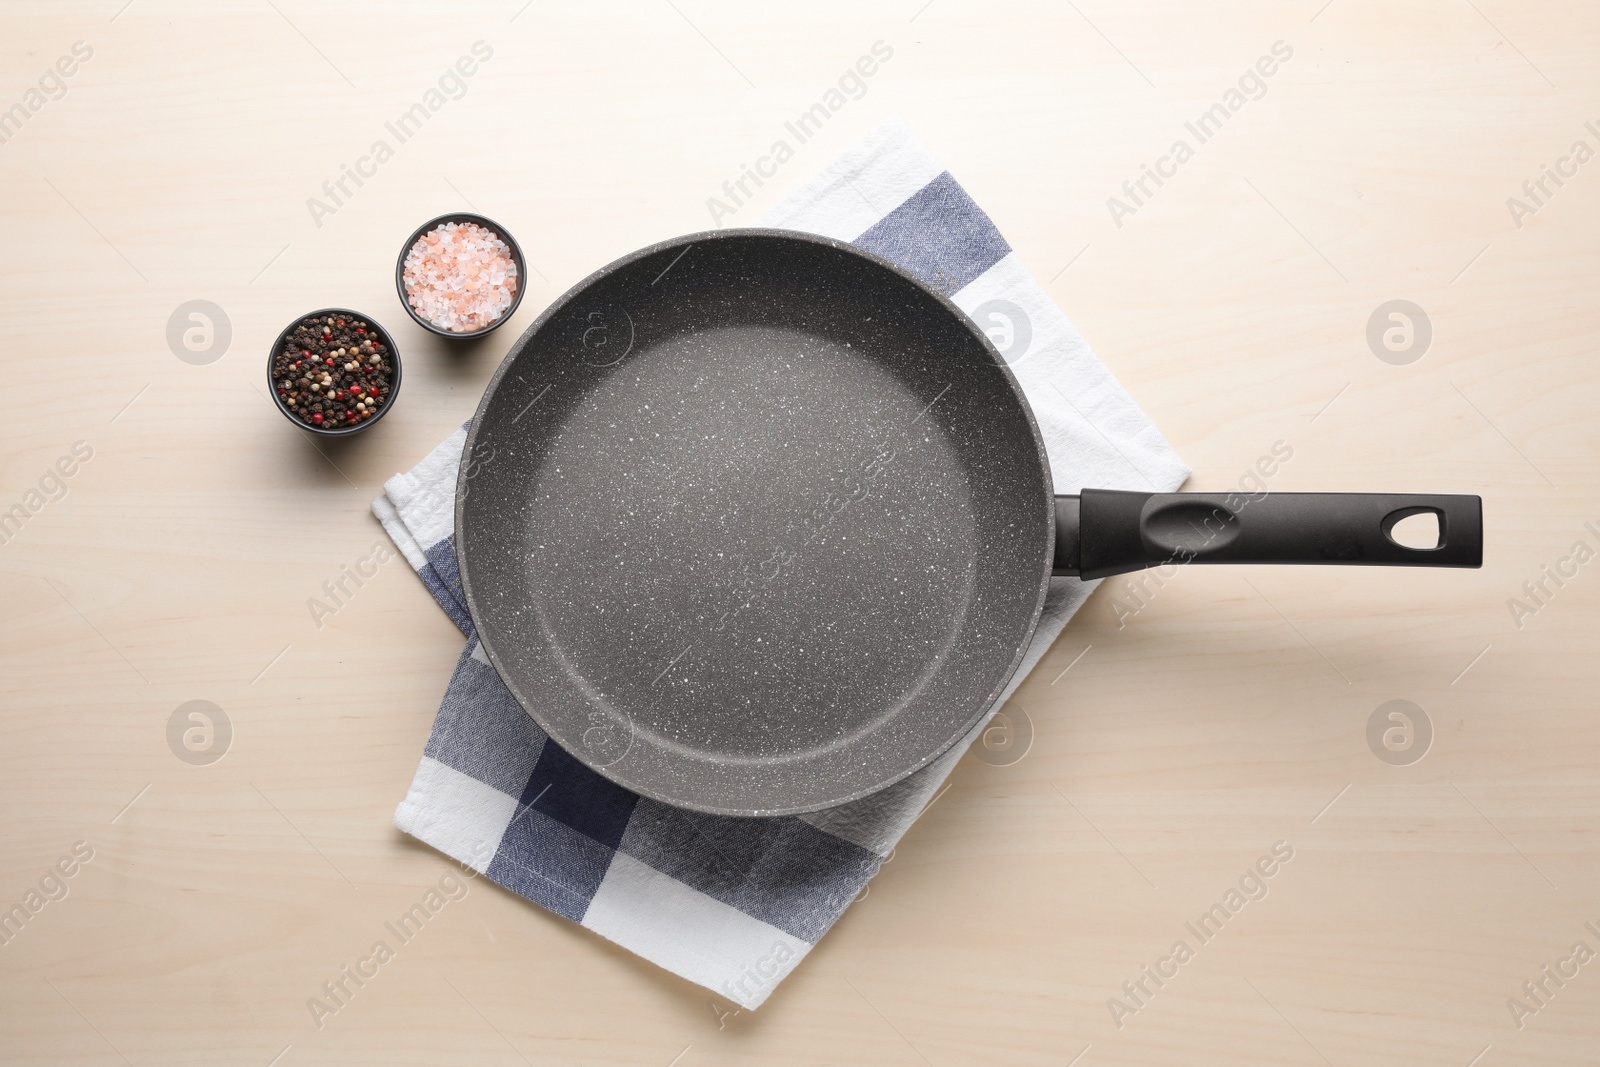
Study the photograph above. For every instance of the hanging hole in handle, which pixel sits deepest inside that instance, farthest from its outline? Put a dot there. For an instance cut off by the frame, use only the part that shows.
(1420, 529)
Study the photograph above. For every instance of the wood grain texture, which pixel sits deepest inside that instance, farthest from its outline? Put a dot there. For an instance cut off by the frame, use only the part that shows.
(1227, 714)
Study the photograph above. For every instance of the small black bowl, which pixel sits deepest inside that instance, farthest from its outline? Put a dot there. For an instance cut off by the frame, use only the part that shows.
(488, 224)
(373, 327)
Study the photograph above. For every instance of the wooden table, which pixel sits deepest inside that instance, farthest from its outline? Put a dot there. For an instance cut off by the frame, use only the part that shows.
(1173, 746)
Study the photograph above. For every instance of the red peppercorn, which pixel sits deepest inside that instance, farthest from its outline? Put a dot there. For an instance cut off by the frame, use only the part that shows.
(360, 329)
(317, 417)
(329, 361)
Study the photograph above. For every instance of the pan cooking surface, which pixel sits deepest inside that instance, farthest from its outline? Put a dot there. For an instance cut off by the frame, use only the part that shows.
(752, 523)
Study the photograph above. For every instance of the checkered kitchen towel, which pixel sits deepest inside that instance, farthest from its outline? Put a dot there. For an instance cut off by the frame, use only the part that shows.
(730, 903)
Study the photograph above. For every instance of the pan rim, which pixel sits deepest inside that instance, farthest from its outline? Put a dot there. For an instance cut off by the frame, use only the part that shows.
(1003, 681)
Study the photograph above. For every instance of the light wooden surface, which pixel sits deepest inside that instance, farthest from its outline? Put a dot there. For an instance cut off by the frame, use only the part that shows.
(1228, 715)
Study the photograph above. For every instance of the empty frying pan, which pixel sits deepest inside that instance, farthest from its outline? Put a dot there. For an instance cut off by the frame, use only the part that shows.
(754, 523)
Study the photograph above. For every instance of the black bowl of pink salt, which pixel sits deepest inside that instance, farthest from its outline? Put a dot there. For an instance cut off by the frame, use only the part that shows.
(334, 372)
(460, 275)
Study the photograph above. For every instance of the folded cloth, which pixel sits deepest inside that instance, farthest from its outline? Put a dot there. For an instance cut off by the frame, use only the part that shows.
(734, 904)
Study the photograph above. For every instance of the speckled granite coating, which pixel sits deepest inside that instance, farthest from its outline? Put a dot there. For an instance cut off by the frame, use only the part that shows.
(752, 522)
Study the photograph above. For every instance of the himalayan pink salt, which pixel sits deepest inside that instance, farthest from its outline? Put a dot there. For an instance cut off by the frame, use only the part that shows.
(460, 276)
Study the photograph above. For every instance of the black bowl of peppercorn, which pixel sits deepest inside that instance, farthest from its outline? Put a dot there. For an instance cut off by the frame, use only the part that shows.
(334, 372)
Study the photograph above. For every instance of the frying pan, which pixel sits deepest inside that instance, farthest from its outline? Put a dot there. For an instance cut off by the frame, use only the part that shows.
(753, 522)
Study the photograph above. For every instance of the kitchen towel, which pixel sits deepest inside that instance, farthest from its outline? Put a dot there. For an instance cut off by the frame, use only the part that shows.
(734, 904)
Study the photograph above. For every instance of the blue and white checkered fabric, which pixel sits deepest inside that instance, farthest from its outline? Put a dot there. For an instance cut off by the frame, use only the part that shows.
(734, 904)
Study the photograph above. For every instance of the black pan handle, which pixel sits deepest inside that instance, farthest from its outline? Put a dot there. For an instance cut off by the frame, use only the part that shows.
(1106, 531)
